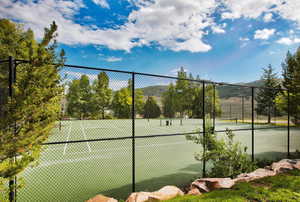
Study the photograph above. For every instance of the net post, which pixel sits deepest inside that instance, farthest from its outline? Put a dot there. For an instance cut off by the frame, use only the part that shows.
(252, 123)
(288, 125)
(133, 130)
(204, 132)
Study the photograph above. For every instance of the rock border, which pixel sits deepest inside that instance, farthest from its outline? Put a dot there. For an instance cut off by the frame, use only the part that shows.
(204, 185)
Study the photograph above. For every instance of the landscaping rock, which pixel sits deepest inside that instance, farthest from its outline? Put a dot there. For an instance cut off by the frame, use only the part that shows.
(218, 183)
(283, 165)
(138, 197)
(165, 193)
(101, 198)
(201, 185)
(194, 191)
(257, 174)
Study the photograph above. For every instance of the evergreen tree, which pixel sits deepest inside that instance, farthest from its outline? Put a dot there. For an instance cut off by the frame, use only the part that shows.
(265, 97)
(182, 92)
(169, 102)
(103, 94)
(197, 102)
(73, 105)
(30, 114)
(151, 108)
(291, 82)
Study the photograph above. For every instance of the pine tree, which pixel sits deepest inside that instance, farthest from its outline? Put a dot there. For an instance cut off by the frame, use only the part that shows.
(182, 92)
(30, 114)
(151, 108)
(169, 102)
(265, 97)
(291, 82)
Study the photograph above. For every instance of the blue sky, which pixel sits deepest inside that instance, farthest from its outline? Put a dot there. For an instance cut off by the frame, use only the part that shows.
(221, 40)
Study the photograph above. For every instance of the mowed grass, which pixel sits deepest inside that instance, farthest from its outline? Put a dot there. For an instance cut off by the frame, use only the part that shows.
(78, 171)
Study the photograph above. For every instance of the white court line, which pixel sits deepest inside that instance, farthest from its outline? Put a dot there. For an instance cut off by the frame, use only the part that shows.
(106, 156)
(88, 145)
(69, 132)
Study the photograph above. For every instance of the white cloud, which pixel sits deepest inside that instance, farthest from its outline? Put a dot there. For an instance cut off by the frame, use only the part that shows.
(178, 25)
(288, 41)
(268, 17)
(102, 3)
(218, 29)
(288, 9)
(244, 39)
(264, 33)
(173, 24)
(246, 8)
(113, 59)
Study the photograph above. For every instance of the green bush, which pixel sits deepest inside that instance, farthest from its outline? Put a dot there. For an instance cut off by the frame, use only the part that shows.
(227, 157)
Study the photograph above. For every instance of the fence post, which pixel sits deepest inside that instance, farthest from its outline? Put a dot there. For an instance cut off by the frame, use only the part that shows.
(204, 132)
(133, 130)
(243, 113)
(12, 74)
(288, 125)
(252, 122)
(214, 106)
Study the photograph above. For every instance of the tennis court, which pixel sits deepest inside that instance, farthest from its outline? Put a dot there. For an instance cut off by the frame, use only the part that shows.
(78, 171)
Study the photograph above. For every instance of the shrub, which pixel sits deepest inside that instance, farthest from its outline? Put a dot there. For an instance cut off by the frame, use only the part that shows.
(228, 158)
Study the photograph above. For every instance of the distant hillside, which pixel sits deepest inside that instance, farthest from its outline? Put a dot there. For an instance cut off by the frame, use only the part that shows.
(224, 91)
(154, 90)
(235, 91)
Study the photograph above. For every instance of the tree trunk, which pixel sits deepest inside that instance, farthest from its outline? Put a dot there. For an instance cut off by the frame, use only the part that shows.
(103, 113)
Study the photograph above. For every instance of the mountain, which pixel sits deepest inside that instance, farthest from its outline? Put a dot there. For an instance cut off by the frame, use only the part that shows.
(224, 91)
(156, 90)
(237, 91)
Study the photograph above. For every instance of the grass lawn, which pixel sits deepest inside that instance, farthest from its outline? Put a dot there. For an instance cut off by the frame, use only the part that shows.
(282, 187)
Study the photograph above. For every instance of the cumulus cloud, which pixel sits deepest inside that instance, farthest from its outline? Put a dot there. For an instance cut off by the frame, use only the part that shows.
(288, 41)
(287, 9)
(178, 25)
(264, 33)
(268, 17)
(173, 24)
(102, 3)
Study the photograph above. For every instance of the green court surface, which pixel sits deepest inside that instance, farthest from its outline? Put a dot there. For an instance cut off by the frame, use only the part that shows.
(78, 171)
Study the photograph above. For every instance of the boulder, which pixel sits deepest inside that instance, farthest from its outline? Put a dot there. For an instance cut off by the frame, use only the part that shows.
(138, 197)
(283, 165)
(201, 185)
(218, 183)
(165, 193)
(194, 191)
(101, 198)
(257, 174)
(208, 184)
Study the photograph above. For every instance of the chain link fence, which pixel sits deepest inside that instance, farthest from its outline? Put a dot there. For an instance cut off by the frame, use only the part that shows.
(121, 132)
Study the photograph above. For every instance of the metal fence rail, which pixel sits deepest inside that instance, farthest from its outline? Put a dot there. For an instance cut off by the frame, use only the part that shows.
(136, 130)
